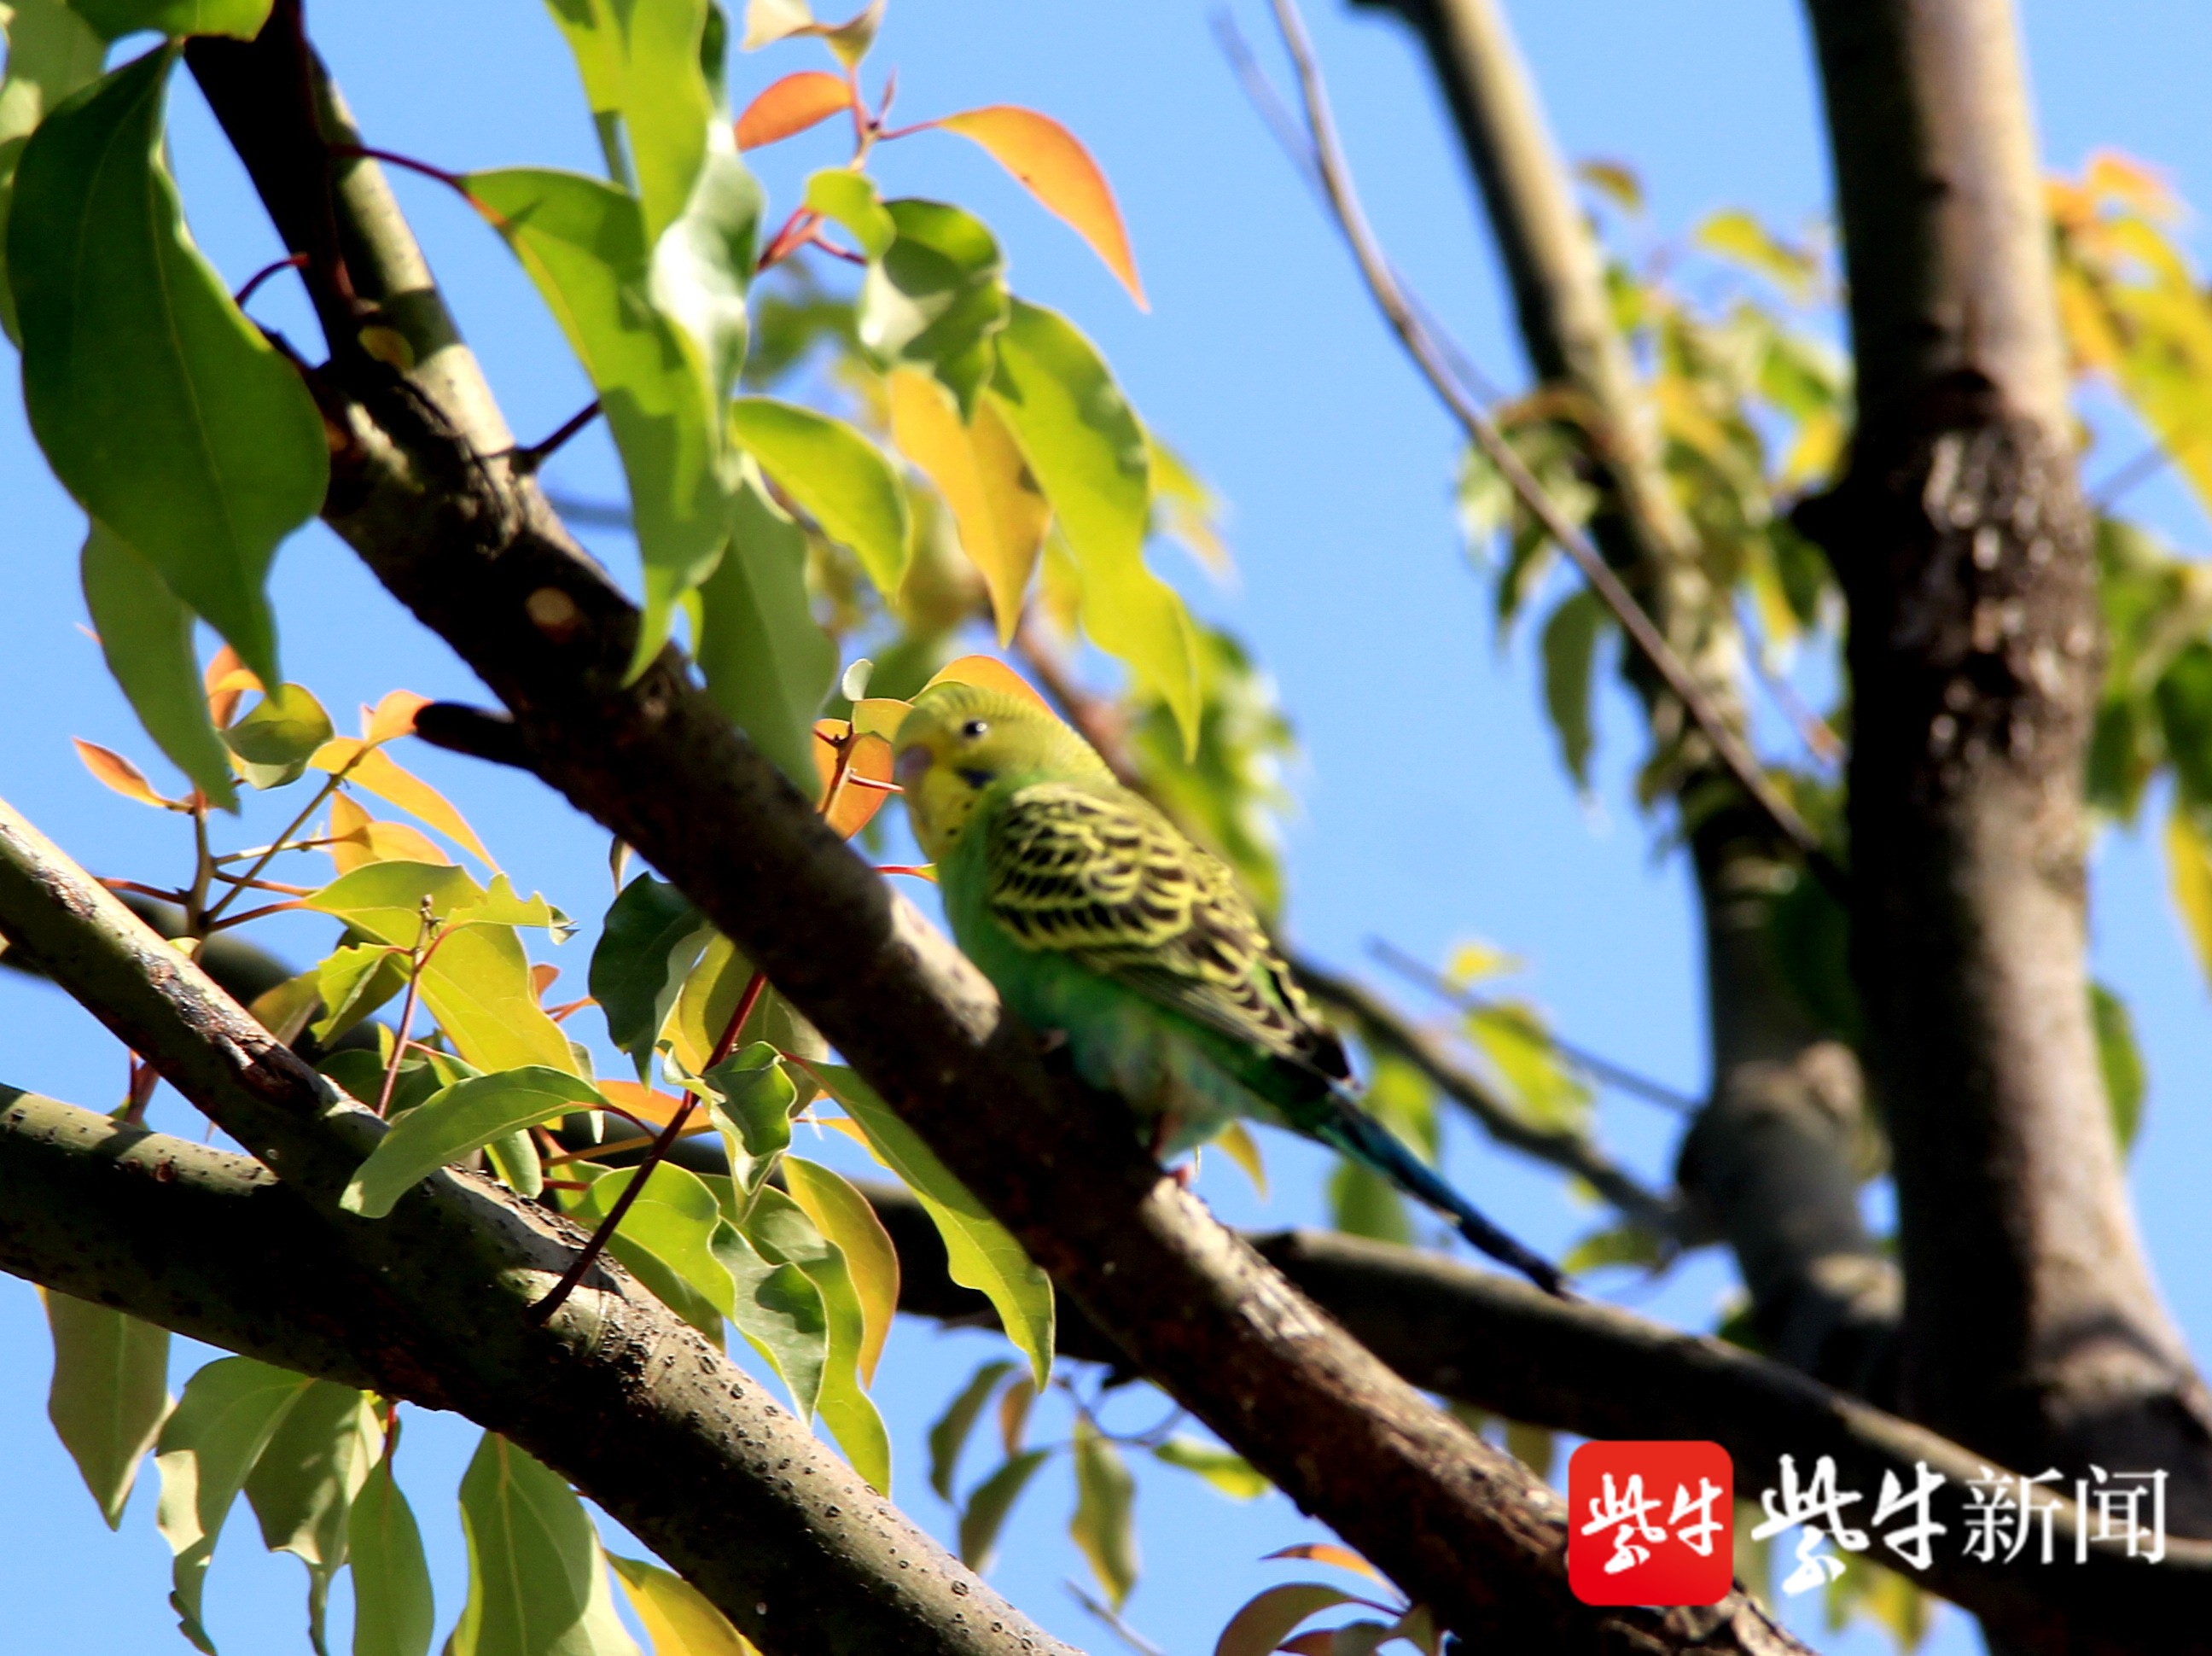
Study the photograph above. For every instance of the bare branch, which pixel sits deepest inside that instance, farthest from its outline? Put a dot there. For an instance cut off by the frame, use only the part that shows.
(1727, 742)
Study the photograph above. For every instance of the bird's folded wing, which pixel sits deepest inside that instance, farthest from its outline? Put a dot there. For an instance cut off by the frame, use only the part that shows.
(1107, 879)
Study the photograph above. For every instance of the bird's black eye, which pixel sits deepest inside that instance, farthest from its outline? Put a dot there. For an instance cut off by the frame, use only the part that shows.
(976, 779)
(974, 729)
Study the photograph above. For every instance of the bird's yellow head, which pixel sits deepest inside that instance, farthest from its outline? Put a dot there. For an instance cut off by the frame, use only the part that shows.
(960, 740)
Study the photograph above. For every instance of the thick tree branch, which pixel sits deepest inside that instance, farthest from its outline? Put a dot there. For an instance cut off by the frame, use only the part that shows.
(2032, 1328)
(419, 491)
(615, 1392)
(210, 1245)
(1772, 1160)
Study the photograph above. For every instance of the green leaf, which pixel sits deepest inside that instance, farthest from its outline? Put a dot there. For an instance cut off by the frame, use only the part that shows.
(981, 1253)
(652, 936)
(1570, 646)
(2121, 1060)
(985, 1515)
(1088, 454)
(360, 1072)
(751, 1098)
(146, 636)
(1534, 1446)
(51, 51)
(109, 1393)
(667, 1239)
(1625, 1244)
(160, 407)
(393, 1612)
(1225, 1470)
(780, 1311)
(844, 481)
(2184, 710)
(229, 1412)
(948, 1434)
(239, 19)
(476, 984)
(642, 69)
(849, 198)
(503, 905)
(353, 982)
(1105, 1510)
(303, 1485)
(783, 1231)
(457, 1119)
(275, 741)
(1512, 1036)
(514, 1159)
(1810, 933)
(585, 245)
(1362, 1202)
(678, 1617)
(538, 1586)
(935, 297)
(767, 661)
(703, 263)
(841, 1213)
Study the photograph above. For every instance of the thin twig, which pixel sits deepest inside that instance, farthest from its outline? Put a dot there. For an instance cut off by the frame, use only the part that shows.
(578, 1267)
(253, 282)
(1603, 1069)
(1404, 320)
(524, 462)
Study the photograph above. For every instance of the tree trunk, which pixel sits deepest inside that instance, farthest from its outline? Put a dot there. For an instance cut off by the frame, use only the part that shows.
(2032, 1327)
(1773, 1159)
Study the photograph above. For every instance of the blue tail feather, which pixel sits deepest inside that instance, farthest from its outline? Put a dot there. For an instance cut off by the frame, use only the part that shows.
(1351, 1130)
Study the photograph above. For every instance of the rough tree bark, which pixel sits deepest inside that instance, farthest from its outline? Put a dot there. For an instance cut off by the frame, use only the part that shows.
(2032, 1327)
(615, 1392)
(1773, 1159)
(421, 489)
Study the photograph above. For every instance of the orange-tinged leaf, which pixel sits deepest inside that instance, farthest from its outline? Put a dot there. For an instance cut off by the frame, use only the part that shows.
(392, 717)
(867, 755)
(1053, 165)
(1328, 1552)
(1266, 1620)
(988, 673)
(380, 774)
(659, 1108)
(226, 679)
(995, 503)
(541, 978)
(358, 839)
(112, 769)
(790, 105)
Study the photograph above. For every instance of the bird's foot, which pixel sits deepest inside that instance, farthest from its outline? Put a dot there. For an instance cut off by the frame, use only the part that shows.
(1185, 1174)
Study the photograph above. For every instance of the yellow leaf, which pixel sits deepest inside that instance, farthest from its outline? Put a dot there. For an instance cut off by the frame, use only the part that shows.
(880, 716)
(112, 769)
(392, 717)
(677, 1617)
(995, 501)
(1472, 962)
(2188, 865)
(357, 839)
(841, 1213)
(988, 673)
(769, 21)
(790, 105)
(378, 772)
(1328, 1552)
(1237, 1143)
(1053, 165)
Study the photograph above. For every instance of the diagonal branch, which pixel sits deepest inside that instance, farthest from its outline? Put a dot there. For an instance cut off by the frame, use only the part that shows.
(419, 491)
(617, 1394)
(1405, 320)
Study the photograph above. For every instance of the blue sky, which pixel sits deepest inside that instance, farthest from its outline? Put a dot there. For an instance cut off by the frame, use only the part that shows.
(1431, 808)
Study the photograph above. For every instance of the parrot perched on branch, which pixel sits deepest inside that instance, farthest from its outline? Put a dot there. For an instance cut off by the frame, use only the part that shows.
(1099, 920)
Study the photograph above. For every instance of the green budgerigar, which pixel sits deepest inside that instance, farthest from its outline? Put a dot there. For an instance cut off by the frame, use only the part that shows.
(1099, 922)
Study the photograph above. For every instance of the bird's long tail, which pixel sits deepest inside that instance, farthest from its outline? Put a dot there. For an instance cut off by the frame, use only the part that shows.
(1351, 1130)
